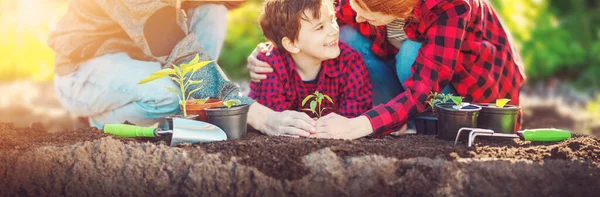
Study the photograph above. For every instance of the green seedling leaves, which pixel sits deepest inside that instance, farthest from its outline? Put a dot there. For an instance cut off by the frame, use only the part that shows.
(178, 74)
(315, 104)
(232, 102)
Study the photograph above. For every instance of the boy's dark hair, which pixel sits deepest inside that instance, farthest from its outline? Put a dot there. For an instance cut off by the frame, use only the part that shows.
(281, 18)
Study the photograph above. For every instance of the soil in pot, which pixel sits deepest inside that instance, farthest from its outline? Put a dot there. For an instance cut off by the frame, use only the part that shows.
(231, 120)
(426, 123)
(193, 107)
(498, 119)
(450, 120)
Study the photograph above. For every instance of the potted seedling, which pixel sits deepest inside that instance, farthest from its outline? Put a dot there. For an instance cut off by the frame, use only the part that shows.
(199, 106)
(315, 105)
(499, 117)
(426, 122)
(455, 115)
(231, 118)
(178, 75)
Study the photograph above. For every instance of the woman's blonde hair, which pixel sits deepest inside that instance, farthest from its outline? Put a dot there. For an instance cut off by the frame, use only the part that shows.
(398, 8)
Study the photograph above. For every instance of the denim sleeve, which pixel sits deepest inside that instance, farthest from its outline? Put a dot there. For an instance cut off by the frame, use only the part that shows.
(215, 84)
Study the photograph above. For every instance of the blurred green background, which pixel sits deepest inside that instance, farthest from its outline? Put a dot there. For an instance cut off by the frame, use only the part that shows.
(557, 38)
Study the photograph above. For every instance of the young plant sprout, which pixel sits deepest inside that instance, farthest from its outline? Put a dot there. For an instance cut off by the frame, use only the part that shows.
(232, 102)
(459, 104)
(435, 98)
(201, 101)
(177, 74)
(315, 104)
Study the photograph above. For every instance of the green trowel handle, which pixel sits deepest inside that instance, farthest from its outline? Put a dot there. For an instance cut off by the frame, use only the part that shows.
(545, 135)
(125, 130)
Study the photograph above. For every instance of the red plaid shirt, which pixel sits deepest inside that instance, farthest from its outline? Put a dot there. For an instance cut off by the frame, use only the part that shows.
(463, 44)
(345, 79)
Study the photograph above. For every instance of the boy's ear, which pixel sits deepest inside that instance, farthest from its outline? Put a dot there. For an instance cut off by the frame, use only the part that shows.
(289, 45)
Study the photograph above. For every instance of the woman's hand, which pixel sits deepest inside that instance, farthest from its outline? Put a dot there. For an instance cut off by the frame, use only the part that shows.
(338, 127)
(256, 67)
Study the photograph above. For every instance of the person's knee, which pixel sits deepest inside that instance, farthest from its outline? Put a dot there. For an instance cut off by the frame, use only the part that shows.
(212, 12)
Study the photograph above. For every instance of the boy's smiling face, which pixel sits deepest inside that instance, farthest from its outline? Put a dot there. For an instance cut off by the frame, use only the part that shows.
(318, 37)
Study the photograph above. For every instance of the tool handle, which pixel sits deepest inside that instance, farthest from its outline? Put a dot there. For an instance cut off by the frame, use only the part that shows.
(125, 130)
(545, 135)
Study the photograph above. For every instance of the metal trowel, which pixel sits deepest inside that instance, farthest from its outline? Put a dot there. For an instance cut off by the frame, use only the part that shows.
(184, 131)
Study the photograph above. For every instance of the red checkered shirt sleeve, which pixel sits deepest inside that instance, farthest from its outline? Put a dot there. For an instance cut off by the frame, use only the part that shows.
(270, 92)
(357, 92)
(381, 47)
(432, 69)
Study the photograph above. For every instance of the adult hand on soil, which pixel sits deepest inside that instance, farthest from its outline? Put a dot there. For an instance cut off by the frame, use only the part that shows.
(338, 127)
(289, 123)
(256, 67)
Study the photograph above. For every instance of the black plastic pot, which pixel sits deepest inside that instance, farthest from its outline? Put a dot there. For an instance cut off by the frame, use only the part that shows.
(501, 120)
(426, 123)
(231, 120)
(450, 120)
(170, 119)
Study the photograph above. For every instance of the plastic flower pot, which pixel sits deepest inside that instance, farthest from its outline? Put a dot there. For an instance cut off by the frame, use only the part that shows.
(231, 120)
(200, 109)
(426, 123)
(500, 120)
(450, 120)
(170, 119)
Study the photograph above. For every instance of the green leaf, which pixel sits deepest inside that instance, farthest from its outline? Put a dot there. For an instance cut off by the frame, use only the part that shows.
(456, 99)
(199, 65)
(192, 82)
(175, 91)
(319, 95)
(178, 71)
(306, 99)
(154, 76)
(191, 92)
(202, 101)
(195, 60)
(328, 98)
(232, 102)
(313, 106)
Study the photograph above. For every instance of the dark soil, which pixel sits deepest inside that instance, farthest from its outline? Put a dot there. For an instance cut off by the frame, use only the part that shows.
(36, 136)
(87, 162)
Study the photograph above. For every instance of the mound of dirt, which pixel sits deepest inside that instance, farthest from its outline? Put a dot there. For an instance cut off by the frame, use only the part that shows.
(87, 162)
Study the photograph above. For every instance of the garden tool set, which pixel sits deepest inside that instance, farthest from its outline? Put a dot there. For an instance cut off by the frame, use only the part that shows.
(184, 131)
(536, 135)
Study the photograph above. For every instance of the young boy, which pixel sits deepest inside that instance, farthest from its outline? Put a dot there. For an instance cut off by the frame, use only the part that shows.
(309, 57)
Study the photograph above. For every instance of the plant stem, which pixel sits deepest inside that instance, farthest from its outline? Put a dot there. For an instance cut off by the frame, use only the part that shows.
(184, 100)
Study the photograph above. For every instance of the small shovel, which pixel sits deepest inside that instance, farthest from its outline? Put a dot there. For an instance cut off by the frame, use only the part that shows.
(184, 131)
(536, 135)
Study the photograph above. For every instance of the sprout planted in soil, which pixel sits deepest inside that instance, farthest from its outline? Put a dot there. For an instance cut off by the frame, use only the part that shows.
(177, 74)
(201, 101)
(315, 104)
(232, 102)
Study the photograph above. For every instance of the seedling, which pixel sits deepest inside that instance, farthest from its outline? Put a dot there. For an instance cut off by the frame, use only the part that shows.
(435, 98)
(177, 74)
(315, 104)
(232, 102)
(459, 104)
(201, 101)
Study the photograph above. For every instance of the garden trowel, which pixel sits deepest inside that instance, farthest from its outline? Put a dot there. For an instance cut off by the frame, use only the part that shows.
(184, 131)
(535, 135)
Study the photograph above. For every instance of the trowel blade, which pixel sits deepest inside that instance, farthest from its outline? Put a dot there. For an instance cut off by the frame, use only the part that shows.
(193, 131)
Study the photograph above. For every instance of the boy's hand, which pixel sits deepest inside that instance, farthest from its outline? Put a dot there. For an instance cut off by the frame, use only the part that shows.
(338, 127)
(289, 123)
(256, 67)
